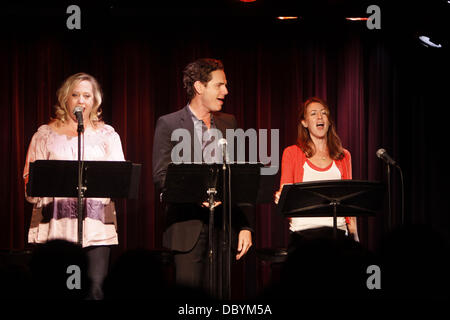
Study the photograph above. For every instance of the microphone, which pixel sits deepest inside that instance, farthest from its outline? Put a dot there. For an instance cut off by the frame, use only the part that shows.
(78, 112)
(383, 155)
(223, 143)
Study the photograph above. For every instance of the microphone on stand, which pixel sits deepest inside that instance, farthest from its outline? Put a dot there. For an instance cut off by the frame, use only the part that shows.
(223, 143)
(78, 112)
(226, 244)
(383, 155)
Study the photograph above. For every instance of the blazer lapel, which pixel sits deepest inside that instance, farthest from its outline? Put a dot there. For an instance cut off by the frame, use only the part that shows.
(187, 123)
(220, 125)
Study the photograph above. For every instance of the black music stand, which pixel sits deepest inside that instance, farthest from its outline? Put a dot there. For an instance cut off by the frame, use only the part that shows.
(101, 179)
(197, 183)
(187, 182)
(331, 198)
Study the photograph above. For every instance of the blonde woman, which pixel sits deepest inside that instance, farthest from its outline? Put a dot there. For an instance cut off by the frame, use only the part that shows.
(56, 218)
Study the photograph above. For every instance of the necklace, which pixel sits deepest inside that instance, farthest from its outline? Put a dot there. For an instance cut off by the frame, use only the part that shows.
(322, 157)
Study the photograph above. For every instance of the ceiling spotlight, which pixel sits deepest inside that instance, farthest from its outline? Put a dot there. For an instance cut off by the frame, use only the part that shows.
(287, 18)
(428, 43)
(357, 19)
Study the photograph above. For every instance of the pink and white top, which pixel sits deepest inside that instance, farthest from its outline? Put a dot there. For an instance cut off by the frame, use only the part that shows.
(314, 173)
(56, 218)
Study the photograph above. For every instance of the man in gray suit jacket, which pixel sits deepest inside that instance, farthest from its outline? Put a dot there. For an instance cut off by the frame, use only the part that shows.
(186, 230)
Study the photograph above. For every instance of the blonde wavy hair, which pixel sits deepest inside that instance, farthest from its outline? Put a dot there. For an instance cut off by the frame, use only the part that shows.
(61, 109)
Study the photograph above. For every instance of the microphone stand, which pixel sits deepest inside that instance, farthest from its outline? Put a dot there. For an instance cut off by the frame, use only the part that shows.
(224, 257)
(389, 195)
(225, 290)
(381, 153)
(212, 192)
(80, 187)
(212, 288)
(228, 270)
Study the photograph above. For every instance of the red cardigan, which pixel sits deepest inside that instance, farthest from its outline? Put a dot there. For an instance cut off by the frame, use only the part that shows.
(294, 159)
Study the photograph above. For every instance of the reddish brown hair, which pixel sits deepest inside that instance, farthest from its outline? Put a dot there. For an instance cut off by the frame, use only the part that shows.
(304, 141)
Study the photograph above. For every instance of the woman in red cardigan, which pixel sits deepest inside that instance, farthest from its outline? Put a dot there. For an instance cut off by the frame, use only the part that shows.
(318, 155)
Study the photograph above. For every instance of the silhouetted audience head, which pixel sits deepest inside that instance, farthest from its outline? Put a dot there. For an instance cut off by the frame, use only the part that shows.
(15, 275)
(146, 274)
(413, 260)
(415, 263)
(137, 274)
(59, 271)
(322, 267)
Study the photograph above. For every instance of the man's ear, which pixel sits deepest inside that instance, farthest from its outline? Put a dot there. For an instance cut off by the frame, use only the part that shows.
(199, 87)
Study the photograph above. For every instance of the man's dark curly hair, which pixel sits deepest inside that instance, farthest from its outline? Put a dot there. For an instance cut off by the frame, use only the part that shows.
(199, 70)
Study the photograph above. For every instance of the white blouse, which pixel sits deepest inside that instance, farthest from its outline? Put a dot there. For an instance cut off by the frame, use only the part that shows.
(56, 218)
(314, 173)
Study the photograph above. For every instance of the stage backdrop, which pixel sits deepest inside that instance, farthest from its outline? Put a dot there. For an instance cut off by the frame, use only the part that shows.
(383, 90)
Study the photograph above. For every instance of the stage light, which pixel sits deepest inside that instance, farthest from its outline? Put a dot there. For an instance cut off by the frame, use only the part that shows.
(428, 43)
(357, 19)
(247, 0)
(287, 18)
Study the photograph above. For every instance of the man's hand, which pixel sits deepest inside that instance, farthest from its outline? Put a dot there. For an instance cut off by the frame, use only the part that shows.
(216, 203)
(244, 243)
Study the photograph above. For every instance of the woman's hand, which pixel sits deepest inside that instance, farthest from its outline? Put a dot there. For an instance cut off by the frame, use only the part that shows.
(351, 226)
(277, 196)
